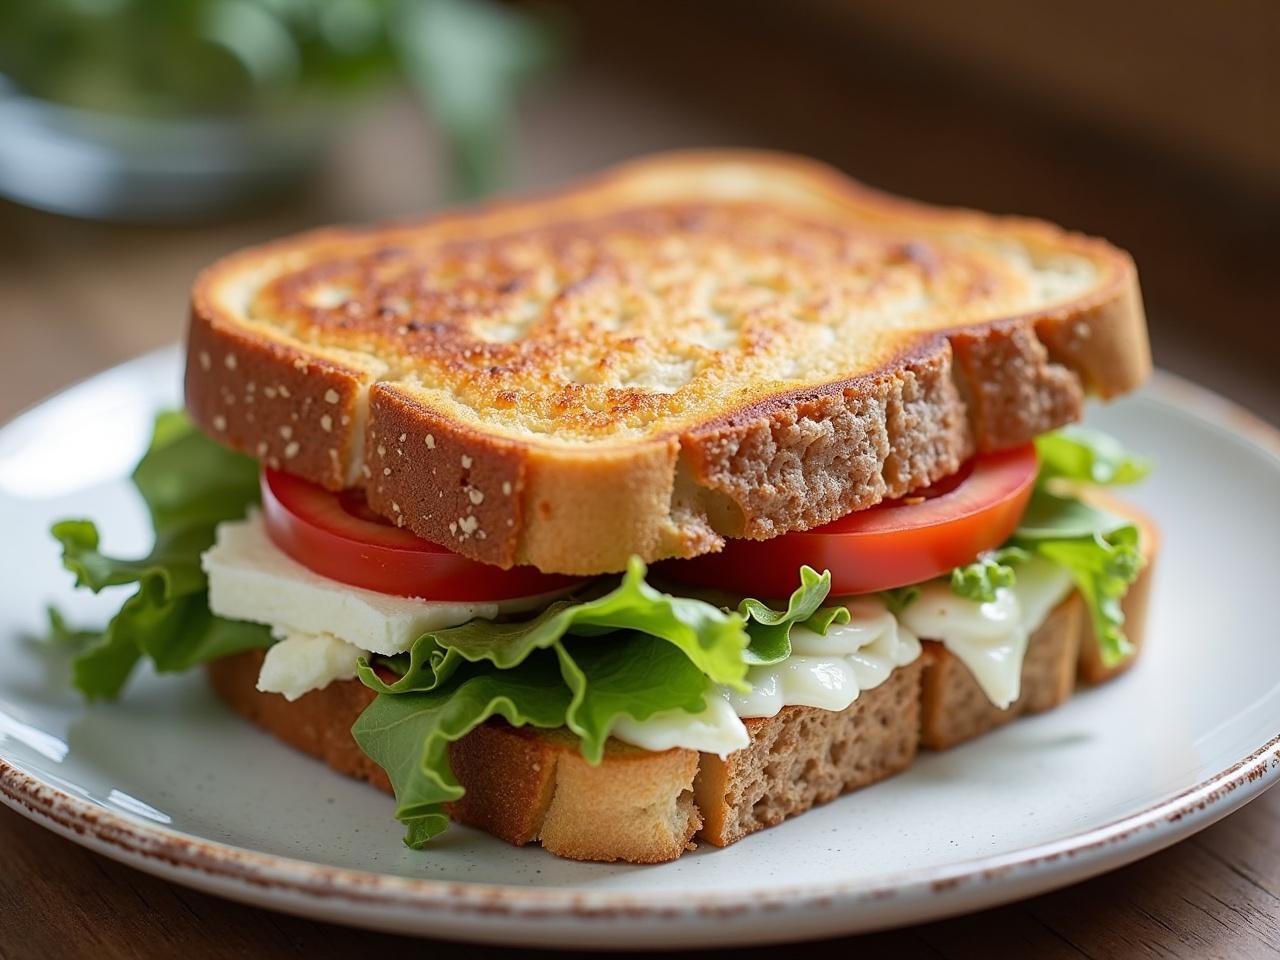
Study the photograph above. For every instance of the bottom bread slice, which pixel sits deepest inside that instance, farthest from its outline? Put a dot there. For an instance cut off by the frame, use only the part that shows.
(529, 785)
(523, 785)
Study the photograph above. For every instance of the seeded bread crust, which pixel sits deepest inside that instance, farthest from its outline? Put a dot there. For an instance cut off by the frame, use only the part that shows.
(342, 398)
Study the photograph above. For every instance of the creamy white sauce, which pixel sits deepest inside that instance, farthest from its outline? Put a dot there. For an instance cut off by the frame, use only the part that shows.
(991, 638)
(829, 671)
(717, 729)
(823, 671)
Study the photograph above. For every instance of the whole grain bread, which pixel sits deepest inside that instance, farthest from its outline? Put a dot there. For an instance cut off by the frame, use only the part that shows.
(804, 756)
(691, 347)
(526, 785)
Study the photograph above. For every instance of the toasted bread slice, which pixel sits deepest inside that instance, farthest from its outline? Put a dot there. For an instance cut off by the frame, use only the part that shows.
(523, 785)
(692, 347)
(528, 785)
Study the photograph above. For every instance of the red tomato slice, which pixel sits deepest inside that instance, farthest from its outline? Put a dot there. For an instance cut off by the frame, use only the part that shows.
(890, 545)
(339, 537)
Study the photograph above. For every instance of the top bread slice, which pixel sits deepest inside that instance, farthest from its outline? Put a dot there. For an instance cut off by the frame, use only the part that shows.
(691, 347)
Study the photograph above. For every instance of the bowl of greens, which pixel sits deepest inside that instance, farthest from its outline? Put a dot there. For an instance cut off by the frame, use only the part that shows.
(171, 109)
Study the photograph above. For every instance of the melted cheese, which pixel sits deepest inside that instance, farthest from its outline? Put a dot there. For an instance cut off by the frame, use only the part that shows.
(991, 638)
(829, 671)
(717, 729)
(823, 671)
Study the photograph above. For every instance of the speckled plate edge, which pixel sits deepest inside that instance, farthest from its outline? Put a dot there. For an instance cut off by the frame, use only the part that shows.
(551, 917)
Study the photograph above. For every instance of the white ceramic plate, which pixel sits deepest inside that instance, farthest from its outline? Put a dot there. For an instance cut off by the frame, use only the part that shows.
(169, 781)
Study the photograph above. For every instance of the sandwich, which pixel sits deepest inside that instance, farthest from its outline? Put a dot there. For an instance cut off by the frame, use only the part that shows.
(649, 513)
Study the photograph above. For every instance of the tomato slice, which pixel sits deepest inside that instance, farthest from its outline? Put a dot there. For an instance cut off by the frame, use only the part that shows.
(339, 537)
(893, 544)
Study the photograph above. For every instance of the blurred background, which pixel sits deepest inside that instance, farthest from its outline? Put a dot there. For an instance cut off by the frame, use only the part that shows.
(141, 139)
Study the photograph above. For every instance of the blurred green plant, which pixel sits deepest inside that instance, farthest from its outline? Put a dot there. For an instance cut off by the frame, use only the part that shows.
(466, 59)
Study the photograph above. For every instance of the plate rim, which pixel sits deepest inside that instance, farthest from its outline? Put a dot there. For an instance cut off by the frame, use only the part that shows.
(139, 841)
(212, 864)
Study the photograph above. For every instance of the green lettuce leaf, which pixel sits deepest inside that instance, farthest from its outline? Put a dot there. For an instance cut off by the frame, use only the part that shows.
(408, 734)
(1081, 455)
(1101, 551)
(190, 484)
(581, 664)
(66, 636)
(635, 675)
(712, 639)
(979, 581)
(585, 685)
(770, 630)
(899, 598)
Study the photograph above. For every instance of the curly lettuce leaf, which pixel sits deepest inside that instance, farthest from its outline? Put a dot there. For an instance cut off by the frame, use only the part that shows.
(408, 734)
(190, 484)
(1081, 455)
(712, 639)
(584, 685)
(635, 675)
(65, 635)
(770, 630)
(1099, 549)
(979, 581)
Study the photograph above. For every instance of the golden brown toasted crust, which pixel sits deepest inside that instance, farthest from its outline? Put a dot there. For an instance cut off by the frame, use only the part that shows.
(527, 785)
(692, 347)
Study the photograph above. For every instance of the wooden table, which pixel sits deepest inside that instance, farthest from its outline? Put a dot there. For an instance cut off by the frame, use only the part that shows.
(77, 297)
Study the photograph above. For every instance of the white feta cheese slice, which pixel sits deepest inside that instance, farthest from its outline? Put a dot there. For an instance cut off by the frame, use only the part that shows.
(250, 578)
